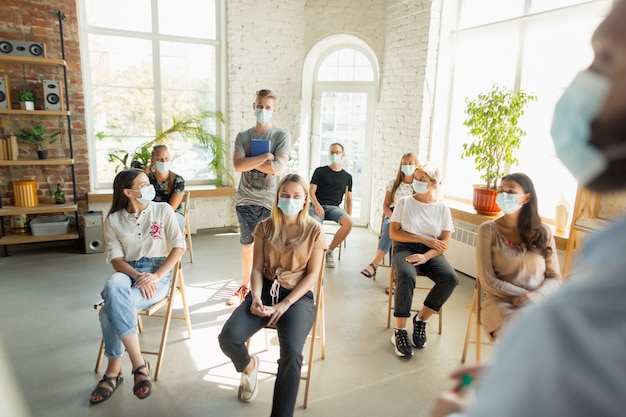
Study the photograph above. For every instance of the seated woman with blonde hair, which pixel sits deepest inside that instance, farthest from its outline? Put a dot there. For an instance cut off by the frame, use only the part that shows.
(168, 185)
(516, 257)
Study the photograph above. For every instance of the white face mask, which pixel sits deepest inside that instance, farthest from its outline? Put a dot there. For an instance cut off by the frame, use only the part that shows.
(263, 116)
(335, 159)
(508, 203)
(571, 126)
(420, 187)
(408, 169)
(290, 206)
(147, 194)
(163, 167)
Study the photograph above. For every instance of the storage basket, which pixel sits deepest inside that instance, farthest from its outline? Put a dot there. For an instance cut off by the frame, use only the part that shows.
(25, 193)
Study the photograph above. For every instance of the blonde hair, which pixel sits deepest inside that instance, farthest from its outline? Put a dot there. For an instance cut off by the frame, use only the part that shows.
(432, 172)
(265, 93)
(171, 177)
(276, 223)
(400, 174)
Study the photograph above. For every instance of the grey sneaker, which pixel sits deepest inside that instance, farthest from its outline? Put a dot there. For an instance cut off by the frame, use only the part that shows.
(419, 332)
(249, 385)
(330, 259)
(400, 340)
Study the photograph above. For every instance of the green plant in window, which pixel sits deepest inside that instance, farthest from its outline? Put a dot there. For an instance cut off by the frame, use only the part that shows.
(492, 119)
(189, 128)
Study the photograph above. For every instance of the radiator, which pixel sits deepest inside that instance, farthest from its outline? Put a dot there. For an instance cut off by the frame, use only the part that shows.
(461, 252)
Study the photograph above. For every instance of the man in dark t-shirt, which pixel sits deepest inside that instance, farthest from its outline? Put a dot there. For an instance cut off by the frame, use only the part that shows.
(327, 189)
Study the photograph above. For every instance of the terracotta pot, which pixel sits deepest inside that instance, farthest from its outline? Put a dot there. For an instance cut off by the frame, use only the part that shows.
(485, 200)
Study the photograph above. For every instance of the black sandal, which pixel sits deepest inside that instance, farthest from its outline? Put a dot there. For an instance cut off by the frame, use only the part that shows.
(144, 383)
(367, 273)
(104, 391)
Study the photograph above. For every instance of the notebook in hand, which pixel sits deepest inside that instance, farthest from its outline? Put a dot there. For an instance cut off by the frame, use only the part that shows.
(259, 147)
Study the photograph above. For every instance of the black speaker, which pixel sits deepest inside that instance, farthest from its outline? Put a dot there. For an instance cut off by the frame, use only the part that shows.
(52, 97)
(94, 232)
(22, 48)
(5, 95)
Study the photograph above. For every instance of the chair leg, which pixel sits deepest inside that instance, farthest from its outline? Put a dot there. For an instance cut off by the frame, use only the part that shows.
(189, 244)
(468, 333)
(392, 275)
(100, 357)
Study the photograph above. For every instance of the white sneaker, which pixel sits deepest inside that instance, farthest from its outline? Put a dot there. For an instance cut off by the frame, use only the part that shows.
(249, 385)
(330, 259)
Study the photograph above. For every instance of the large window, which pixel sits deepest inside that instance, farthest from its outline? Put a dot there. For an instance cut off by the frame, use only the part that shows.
(147, 62)
(534, 45)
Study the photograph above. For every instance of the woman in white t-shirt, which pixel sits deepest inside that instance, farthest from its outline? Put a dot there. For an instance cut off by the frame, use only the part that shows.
(421, 227)
(401, 186)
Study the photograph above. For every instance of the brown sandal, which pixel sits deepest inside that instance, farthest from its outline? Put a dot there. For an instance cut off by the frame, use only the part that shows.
(144, 383)
(104, 392)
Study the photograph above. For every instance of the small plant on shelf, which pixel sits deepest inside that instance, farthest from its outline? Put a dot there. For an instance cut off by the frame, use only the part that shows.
(27, 99)
(38, 137)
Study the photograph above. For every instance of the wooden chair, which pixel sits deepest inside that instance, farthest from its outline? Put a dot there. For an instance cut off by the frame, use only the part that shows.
(187, 228)
(177, 287)
(318, 332)
(474, 322)
(392, 277)
(336, 225)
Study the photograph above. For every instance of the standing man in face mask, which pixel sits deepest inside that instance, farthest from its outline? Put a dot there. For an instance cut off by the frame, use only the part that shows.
(261, 155)
(328, 185)
(567, 357)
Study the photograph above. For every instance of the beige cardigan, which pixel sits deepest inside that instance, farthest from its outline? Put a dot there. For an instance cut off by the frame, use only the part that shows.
(506, 271)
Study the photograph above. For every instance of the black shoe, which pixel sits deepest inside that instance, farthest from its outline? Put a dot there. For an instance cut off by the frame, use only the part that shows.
(400, 339)
(419, 332)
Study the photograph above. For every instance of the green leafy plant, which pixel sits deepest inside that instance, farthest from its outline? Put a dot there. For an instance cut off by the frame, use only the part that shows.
(25, 95)
(189, 128)
(492, 119)
(38, 136)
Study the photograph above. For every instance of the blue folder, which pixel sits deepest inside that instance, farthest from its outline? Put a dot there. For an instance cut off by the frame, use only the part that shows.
(259, 147)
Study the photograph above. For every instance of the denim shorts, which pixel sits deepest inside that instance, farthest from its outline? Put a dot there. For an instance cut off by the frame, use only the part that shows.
(249, 217)
(333, 213)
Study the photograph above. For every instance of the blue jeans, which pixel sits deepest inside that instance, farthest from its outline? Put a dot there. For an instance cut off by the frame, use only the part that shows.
(437, 269)
(384, 244)
(293, 328)
(122, 301)
(333, 213)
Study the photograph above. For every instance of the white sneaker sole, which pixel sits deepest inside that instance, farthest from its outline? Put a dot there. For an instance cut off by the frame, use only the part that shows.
(395, 348)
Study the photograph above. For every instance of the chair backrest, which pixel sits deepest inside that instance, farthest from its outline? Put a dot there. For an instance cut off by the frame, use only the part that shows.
(185, 203)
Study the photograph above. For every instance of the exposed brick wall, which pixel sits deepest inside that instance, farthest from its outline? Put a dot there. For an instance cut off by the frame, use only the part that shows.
(36, 21)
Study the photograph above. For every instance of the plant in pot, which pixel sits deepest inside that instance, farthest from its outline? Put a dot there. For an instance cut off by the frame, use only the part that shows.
(38, 137)
(492, 119)
(27, 100)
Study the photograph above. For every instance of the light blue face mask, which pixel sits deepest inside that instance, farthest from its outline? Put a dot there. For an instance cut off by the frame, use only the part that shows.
(263, 116)
(290, 206)
(508, 203)
(571, 126)
(147, 194)
(420, 187)
(335, 159)
(408, 169)
(163, 167)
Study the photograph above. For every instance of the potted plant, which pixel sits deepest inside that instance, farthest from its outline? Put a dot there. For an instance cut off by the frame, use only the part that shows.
(492, 119)
(27, 100)
(38, 137)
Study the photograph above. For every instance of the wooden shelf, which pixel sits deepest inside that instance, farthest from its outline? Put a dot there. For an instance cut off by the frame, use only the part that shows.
(35, 112)
(29, 60)
(40, 209)
(19, 238)
(29, 162)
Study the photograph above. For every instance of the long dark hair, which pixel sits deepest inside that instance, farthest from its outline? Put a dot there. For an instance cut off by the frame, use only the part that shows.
(124, 179)
(531, 230)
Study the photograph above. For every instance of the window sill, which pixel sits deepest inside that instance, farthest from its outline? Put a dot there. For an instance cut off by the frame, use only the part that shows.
(197, 191)
(465, 212)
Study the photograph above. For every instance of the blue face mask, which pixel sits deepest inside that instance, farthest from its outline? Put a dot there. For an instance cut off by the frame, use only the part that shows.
(420, 187)
(263, 116)
(408, 169)
(335, 159)
(163, 167)
(147, 194)
(290, 206)
(571, 126)
(508, 203)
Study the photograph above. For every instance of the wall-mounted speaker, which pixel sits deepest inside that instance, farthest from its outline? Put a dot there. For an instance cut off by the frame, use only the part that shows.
(52, 97)
(5, 93)
(94, 232)
(22, 48)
